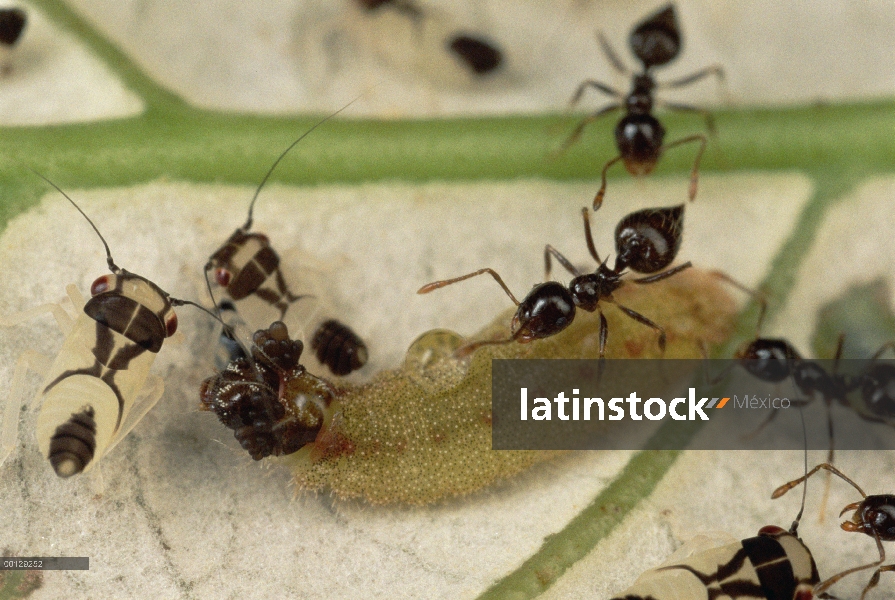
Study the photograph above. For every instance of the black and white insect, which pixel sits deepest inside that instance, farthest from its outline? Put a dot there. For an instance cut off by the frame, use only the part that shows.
(646, 241)
(774, 565)
(873, 516)
(12, 25)
(639, 135)
(99, 386)
(247, 266)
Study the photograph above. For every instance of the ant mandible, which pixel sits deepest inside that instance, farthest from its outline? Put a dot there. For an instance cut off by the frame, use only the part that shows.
(646, 241)
(639, 135)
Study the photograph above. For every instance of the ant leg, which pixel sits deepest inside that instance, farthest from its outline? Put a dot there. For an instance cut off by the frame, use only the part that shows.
(663, 274)
(706, 364)
(614, 60)
(148, 398)
(579, 129)
(548, 250)
(757, 296)
(440, 284)
(752, 434)
(882, 349)
(824, 585)
(597, 85)
(789, 485)
(694, 174)
(641, 319)
(716, 70)
(706, 114)
(875, 579)
(9, 434)
(598, 199)
(604, 335)
(467, 349)
(589, 237)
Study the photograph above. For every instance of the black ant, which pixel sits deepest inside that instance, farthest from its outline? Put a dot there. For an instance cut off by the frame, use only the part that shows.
(873, 516)
(646, 241)
(272, 404)
(656, 41)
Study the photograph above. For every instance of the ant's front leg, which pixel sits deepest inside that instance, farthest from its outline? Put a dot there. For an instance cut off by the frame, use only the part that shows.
(429, 287)
(598, 199)
(716, 70)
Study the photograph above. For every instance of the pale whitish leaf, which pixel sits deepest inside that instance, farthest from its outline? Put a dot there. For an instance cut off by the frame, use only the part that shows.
(188, 517)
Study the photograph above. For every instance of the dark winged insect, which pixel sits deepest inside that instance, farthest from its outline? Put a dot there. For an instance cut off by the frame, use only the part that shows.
(99, 386)
(12, 24)
(639, 135)
(873, 516)
(646, 241)
(476, 53)
(338, 347)
(272, 404)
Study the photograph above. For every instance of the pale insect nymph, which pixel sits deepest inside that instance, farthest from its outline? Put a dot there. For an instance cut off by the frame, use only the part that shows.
(99, 386)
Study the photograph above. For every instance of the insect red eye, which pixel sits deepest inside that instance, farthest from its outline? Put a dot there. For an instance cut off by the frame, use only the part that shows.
(263, 238)
(771, 530)
(222, 276)
(171, 324)
(100, 285)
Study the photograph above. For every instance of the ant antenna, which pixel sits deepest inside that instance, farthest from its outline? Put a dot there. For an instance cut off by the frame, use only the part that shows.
(112, 266)
(248, 223)
(795, 524)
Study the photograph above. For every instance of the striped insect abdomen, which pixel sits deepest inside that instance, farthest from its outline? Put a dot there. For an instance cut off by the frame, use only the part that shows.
(770, 566)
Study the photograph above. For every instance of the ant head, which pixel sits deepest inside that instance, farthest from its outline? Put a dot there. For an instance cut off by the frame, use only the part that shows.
(874, 516)
(648, 240)
(638, 137)
(546, 310)
(878, 389)
(768, 359)
(656, 41)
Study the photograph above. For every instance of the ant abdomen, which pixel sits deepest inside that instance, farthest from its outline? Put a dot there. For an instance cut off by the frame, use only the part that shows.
(657, 40)
(639, 139)
(648, 240)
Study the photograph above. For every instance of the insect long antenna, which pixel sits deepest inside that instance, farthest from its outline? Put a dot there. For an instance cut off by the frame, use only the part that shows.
(248, 223)
(112, 266)
(795, 524)
(179, 302)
